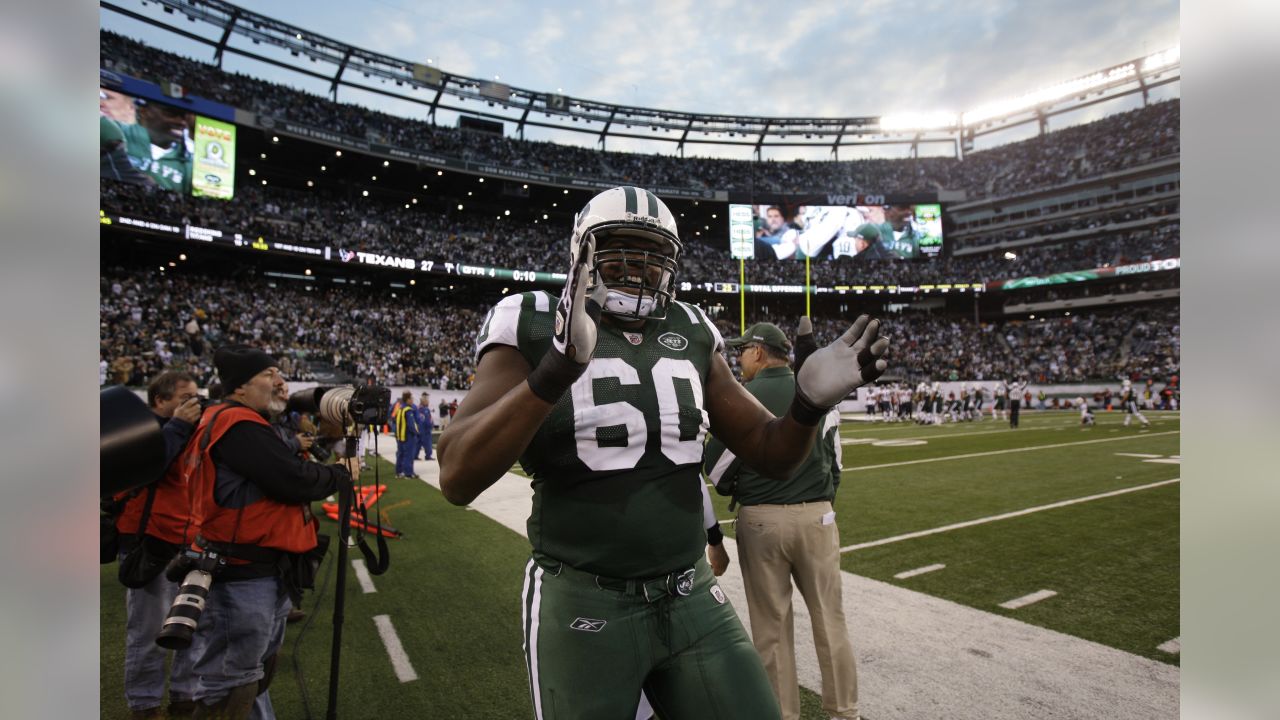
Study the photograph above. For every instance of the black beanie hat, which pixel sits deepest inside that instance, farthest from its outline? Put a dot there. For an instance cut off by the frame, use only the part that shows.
(237, 364)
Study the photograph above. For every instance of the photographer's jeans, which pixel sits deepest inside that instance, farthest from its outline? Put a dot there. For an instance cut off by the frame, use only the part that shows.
(144, 674)
(242, 625)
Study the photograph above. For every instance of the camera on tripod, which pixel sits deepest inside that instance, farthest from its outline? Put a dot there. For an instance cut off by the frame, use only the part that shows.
(196, 571)
(345, 406)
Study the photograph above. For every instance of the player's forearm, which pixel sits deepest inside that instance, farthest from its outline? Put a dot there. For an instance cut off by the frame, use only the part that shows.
(779, 447)
(475, 451)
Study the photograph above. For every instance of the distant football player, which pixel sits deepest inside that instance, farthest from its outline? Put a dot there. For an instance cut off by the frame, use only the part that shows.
(605, 396)
(1129, 398)
(1086, 416)
(1001, 399)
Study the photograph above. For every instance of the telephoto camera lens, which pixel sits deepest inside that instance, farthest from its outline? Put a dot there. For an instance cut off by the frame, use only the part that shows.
(180, 624)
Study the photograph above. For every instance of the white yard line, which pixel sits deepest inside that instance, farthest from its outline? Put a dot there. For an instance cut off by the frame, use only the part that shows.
(399, 659)
(1173, 647)
(1139, 455)
(921, 653)
(362, 577)
(1026, 600)
(919, 571)
(999, 452)
(1166, 461)
(1003, 516)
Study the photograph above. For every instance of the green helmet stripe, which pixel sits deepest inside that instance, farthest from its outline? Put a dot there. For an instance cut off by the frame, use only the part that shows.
(632, 204)
(653, 204)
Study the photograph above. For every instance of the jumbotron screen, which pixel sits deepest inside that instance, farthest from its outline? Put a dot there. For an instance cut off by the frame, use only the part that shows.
(152, 143)
(831, 232)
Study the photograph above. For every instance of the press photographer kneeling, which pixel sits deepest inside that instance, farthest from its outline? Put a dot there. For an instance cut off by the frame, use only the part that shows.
(251, 498)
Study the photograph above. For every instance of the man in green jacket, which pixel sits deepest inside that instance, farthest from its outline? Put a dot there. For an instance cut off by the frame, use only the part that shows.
(787, 530)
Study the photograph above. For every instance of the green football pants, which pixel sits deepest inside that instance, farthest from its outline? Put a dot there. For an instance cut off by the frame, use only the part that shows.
(593, 644)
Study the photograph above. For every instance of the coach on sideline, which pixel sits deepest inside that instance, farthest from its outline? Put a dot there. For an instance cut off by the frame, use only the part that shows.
(787, 530)
(252, 497)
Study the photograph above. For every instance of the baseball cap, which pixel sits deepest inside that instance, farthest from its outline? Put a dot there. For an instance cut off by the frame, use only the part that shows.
(868, 232)
(765, 334)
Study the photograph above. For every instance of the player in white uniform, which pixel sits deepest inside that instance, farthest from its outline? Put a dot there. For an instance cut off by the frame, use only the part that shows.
(1086, 416)
(1001, 400)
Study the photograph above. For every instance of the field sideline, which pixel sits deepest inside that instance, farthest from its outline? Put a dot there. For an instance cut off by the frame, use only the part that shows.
(993, 517)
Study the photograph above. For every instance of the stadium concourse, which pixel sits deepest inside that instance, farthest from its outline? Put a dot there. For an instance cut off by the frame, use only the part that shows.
(987, 571)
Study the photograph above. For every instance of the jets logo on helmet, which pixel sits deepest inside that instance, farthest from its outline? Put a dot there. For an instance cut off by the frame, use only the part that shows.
(637, 251)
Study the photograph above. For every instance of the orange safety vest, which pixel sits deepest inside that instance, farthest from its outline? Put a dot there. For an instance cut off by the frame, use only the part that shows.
(265, 522)
(170, 511)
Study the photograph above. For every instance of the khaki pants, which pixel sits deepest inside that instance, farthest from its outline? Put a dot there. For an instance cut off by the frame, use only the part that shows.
(779, 543)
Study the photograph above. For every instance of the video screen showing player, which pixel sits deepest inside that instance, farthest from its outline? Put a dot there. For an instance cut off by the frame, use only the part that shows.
(145, 142)
(831, 232)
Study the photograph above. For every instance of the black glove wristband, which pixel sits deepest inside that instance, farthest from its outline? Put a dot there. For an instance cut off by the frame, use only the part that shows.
(715, 535)
(805, 412)
(554, 375)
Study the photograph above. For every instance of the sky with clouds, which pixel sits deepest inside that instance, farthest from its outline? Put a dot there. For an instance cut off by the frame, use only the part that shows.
(756, 57)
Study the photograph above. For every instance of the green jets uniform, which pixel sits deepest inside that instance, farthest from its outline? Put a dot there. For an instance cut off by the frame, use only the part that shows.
(903, 244)
(170, 171)
(618, 596)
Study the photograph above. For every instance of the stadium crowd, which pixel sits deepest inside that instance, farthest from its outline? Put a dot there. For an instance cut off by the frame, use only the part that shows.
(436, 232)
(1113, 143)
(152, 321)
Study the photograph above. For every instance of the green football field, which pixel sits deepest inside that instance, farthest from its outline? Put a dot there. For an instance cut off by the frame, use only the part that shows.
(1090, 514)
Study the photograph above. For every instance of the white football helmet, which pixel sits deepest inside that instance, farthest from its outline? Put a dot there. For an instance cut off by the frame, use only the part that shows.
(637, 251)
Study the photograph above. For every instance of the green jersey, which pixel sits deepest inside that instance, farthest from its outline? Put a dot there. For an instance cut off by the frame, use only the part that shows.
(817, 478)
(171, 170)
(903, 244)
(615, 466)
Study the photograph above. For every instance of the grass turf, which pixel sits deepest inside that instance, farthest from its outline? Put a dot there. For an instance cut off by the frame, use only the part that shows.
(452, 591)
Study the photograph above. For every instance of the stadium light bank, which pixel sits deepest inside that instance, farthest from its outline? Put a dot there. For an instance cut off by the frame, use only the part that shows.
(923, 121)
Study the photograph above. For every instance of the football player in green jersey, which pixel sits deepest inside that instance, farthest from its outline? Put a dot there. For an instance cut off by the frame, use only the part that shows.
(605, 397)
(158, 146)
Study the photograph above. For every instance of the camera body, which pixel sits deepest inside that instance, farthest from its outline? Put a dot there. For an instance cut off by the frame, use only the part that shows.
(196, 571)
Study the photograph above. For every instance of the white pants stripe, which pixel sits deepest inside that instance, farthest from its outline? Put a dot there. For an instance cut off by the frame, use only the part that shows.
(530, 610)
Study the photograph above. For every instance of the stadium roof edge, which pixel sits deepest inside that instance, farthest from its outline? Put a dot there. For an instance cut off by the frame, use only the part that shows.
(1137, 75)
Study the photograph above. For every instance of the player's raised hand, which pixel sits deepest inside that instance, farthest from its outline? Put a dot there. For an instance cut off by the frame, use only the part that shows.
(577, 325)
(577, 314)
(853, 360)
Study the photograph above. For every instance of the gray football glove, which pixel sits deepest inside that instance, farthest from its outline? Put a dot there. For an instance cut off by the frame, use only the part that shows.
(576, 327)
(831, 373)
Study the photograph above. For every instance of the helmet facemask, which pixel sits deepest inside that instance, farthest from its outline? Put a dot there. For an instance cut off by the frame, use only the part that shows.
(639, 268)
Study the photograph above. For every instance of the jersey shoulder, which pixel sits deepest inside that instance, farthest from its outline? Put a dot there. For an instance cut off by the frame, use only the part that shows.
(682, 316)
(517, 321)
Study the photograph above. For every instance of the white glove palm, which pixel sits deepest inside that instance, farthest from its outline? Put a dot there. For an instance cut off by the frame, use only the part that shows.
(853, 360)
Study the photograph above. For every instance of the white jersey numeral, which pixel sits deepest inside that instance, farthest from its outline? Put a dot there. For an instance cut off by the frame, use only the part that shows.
(588, 417)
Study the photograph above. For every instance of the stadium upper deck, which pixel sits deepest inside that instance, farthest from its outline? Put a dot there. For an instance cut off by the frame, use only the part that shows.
(1117, 142)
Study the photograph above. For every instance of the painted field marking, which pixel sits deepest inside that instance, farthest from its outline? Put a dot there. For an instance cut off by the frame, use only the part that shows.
(1173, 647)
(1166, 461)
(919, 571)
(391, 641)
(998, 452)
(1003, 516)
(1139, 455)
(362, 577)
(1026, 600)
